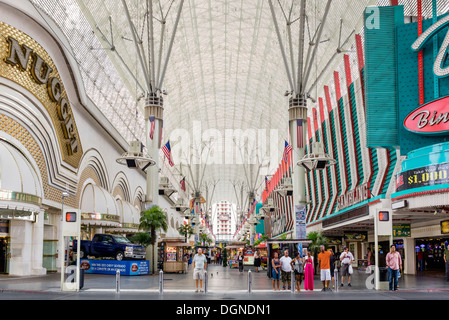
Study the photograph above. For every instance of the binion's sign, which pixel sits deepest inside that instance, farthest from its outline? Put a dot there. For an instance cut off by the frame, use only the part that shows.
(432, 118)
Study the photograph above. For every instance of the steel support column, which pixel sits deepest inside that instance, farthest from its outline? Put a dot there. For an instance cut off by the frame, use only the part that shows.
(298, 111)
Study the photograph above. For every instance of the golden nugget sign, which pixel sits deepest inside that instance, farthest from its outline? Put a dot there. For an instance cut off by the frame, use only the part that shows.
(24, 55)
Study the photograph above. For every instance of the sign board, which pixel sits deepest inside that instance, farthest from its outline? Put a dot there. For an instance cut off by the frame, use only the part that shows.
(445, 227)
(354, 196)
(401, 230)
(126, 268)
(431, 118)
(423, 123)
(300, 212)
(423, 177)
(356, 236)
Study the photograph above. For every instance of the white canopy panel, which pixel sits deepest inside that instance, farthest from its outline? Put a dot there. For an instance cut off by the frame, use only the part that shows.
(225, 72)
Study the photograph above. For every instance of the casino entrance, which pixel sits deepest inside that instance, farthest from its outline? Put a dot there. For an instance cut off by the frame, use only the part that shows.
(432, 251)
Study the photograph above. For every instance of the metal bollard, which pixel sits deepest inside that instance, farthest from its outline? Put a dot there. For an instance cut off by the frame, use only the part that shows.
(293, 283)
(336, 279)
(161, 282)
(206, 278)
(117, 281)
(250, 281)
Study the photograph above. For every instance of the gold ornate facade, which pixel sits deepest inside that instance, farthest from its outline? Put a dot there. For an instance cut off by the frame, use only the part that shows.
(25, 62)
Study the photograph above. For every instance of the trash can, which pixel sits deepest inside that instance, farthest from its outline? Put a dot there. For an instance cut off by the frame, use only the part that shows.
(383, 274)
(383, 278)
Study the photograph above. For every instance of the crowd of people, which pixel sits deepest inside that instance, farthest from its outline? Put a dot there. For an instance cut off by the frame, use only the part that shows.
(302, 267)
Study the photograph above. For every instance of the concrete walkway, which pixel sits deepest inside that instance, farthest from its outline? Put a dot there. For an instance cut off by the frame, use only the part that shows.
(223, 283)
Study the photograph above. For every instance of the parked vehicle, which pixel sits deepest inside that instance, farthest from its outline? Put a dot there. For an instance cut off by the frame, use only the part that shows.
(109, 245)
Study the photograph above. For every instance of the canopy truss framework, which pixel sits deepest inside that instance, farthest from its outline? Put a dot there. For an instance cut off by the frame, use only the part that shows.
(225, 73)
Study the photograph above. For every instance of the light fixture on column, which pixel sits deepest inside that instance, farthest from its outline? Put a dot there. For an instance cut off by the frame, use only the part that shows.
(165, 187)
(285, 188)
(135, 158)
(316, 159)
(180, 205)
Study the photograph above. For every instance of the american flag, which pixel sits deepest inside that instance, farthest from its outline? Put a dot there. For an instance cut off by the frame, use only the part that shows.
(183, 184)
(167, 151)
(160, 137)
(253, 205)
(153, 125)
(267, 182)
(300, 133)
(287, 150)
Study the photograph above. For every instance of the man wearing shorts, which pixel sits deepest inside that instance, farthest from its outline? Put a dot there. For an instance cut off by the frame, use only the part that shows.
(346, 259)
(199, 268)
(324, 261)
(286, 269)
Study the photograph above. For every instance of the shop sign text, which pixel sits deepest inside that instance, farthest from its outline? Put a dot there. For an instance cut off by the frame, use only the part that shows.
(431, 118)
(20, 55)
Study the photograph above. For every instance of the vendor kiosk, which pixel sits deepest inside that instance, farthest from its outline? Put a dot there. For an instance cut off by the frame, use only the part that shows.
(279, 246)
(233, 251)
(173, 256)
(262, 248)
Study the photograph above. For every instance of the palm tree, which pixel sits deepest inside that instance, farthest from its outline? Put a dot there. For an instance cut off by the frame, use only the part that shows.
(152, 220)
(186, 230)
(205, 239)
(317, 240)
(142, 238)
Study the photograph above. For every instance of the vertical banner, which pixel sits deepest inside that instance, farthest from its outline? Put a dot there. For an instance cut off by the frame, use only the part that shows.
(300, 212)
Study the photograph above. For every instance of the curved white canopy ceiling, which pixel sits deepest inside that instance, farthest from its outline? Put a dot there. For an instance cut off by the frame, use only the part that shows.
(225, 71)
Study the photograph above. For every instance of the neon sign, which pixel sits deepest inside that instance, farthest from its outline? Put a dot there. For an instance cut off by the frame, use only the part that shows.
(441, 57)
(431, 118)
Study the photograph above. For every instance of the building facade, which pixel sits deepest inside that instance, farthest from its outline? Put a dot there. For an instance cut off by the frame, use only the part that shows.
(58, 151)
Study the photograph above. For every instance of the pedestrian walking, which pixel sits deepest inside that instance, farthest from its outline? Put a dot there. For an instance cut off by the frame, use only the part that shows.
(325, 272)
(298, 267)
(276, 270)
(370, 257)
(257, 260)
(420, 260)
(286, 269)
(199, 269)
(346, 259)
(394, 265)
(308, 272)
(240, 259)
(446, 261)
